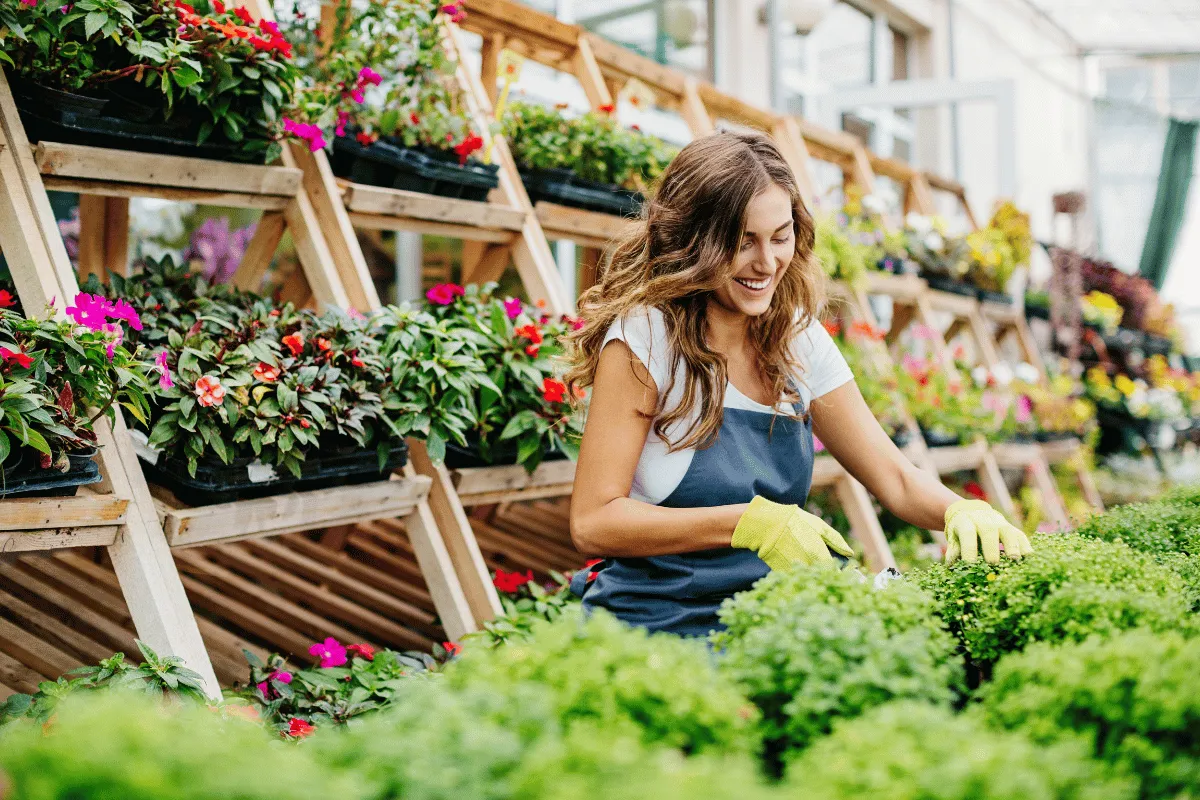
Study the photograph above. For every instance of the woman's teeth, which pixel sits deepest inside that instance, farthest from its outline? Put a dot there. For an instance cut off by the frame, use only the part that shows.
(754, 285)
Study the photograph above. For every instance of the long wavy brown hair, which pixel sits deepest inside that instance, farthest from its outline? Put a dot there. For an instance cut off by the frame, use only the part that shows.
(683, 250)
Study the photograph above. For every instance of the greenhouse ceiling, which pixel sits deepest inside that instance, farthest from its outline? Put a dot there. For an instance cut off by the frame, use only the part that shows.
(1131, 26)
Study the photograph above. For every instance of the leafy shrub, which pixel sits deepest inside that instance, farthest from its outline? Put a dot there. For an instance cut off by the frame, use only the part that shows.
(526, 603)
(1185, 494)
(911, 750)
(121, 744)
(606, 673)
(1071, 587)
(811, 645)
(1132, 697)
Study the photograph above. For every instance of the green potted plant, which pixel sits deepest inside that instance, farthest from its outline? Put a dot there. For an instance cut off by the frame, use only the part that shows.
(152, 75)
(588, 162)
(383, 83)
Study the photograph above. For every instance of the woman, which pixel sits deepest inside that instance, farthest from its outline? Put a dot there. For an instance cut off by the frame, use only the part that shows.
(709, 375)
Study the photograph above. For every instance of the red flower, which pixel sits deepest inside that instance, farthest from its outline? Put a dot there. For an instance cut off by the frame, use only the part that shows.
(366, 139)
(608, 108)
(975, 490)
(274, 312)
(6, 299)
(444, 293)
(832, 327)
(452, 648)
(23, 361)
(241, 13)
(356, 361)
(323, 344)
(363, 651)
(294, 342)
(511, 582)
(591, 562)
(866, 330)
(298, 728)
(467, 146)
(553, 391)
(218, 6)
(266, 373)
(415, 119)
(533, 334)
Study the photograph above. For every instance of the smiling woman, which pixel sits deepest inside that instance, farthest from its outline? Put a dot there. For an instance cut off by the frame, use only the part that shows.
(709, 374)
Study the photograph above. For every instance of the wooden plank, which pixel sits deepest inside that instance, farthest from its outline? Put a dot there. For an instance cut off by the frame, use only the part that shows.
(294, 511)
(256, 260)
(369, 574)
(316, 259)
(898, 287)
(114, 635)
(993, 484)
(46, 627)
(209, 197)
(490, 50)
(29, 513)
(33, 652)
(956, 304)
(864, 524)
(250, 619)
(587, 70)
(622, 64)
(791, 144)
(378, 200)
(826, 471)
(19, 678)
(589, 228)
(58, 538)
(694, 112)
(377, 222)
(492, 261)
(956, 459)
(479, 480)
(151, 169)
(92, 212)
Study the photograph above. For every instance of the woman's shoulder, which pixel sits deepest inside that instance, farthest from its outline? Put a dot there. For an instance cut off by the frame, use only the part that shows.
(639, 325)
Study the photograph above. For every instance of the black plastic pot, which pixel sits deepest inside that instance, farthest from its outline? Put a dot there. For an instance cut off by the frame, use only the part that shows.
(988, 296)
(1037, 312)
(939, 439)
(458, 457)
(1024, 438)
(51, 115)
(225, 483)
(386, 163)
(21, 481)
(902, 437)
(1054, 436)
(944, 284)
(564, 187)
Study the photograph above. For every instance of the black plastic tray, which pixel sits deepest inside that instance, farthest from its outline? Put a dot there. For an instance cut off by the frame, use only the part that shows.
(387, 164)
(225, 483)
(458, 457)
(47, 483)
(988, 296)
(935, 439)
(1037, 312)
(944, 284)
(901, 437)
(1055, 436)
(564, 187)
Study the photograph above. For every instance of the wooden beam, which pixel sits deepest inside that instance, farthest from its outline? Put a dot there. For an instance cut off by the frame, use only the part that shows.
(362, 199)
(694, 112)
(587, 70)
(268, 233)
(489, 266)
(493, 45)
(864, 524)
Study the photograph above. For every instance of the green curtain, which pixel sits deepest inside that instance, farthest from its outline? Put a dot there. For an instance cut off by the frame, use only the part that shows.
(1170, 202)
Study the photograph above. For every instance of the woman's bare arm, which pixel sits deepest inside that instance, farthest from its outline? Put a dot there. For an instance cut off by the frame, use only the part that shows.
(852, 435)
(605, 521)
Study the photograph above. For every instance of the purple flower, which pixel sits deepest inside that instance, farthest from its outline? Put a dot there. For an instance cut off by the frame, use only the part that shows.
(164, 377)
(219, 248)
(513, 307)
(330, 652)
(90, 310)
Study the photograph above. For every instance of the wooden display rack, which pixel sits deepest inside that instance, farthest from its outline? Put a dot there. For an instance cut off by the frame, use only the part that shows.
(125, 517)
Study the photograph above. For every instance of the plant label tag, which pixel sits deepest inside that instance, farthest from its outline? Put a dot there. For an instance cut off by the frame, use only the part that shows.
(637, 94)
(141, 446)
(508, 66)
(258, 472)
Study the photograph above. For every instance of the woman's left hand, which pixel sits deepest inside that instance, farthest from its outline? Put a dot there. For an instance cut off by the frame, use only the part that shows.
(972, 525)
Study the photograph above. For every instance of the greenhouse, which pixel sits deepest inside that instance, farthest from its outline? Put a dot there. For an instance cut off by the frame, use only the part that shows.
(513, 400)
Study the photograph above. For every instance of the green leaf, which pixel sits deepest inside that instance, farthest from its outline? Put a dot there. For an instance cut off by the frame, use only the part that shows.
(94, 22)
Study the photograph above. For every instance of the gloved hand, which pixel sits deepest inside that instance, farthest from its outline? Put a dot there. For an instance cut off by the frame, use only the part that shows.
(973, 524)
(786, 534)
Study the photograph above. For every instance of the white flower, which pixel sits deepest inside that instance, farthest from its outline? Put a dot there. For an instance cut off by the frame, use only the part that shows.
(935, 242)
(1003, 374)
(918, 223)
(1026, 372)
(980, 375)
(874, 204)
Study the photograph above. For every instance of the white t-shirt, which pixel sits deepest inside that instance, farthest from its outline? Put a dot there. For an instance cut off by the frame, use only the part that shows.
(658, 472)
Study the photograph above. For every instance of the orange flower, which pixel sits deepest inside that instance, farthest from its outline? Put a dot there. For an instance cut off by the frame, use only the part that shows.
(832, 327)
(323, 344)
(294, 342)
(866, 330)
(266, 373)
(534, 335)
(209, 391)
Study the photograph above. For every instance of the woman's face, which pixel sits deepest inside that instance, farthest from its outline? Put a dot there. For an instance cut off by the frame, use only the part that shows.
(766, 250)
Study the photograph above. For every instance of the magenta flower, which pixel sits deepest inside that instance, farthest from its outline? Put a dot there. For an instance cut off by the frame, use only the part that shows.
(306, 131)
(90, 311)
(164, 377)
(358, 95)
(269, 27)
(342, 118)
(330, 652)
(115, 334)
(30, 3)
(264, 687)
(444, 293)
(513, 307)
(125, 312)
(1024, 409)
(369, 76)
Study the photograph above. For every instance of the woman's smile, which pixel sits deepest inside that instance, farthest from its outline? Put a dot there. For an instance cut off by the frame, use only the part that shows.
(755, 285)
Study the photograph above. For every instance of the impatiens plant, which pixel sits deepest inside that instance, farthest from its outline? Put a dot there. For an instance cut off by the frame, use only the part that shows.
(525, 603)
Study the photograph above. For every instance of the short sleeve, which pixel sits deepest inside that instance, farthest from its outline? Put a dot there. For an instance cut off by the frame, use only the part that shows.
(644, 331)
(825, 369)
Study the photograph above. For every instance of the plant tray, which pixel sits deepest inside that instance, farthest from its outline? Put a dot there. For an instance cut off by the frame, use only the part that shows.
(46, 483)
(944, 284)
(564, 187)
(988, 296)
(938, 439)
(386, 164)
(243, 480)
(61, 117)
(1055, 436)
(902, 437)
(1037, 312)
(458, 457)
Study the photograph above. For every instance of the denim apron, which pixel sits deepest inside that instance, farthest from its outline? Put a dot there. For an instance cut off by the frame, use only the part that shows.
(755, 453)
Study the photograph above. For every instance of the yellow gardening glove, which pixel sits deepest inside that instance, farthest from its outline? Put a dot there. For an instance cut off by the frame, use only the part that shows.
(783, 535)
(973, 524)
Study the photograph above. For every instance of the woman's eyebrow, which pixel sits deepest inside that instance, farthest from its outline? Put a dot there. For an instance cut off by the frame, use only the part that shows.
(777, 230)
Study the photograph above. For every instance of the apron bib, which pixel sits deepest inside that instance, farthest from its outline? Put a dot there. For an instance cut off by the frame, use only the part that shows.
(755, 453)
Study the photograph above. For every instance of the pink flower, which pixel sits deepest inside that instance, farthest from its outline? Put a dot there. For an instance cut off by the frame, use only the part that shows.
(924, 332)
(1024, 409)
(444, 293)
(330, 652)
(454, 12)
(369, 76)
(818, 445)
(342, 118)
(513, 307)
(90, 310)
(209, 391)
(266, 373)
(164, 377)
(306, 131)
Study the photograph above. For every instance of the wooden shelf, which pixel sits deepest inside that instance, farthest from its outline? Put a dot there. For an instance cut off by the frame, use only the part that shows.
(1004, 313)
(587, 228)
(381, 208)
(287, 513)
(1060, 450)
(1010, 455)
(122, 173)
(957, 304)
(826, 471)
(958, 458)
(484, 485)
(899, 287)
(49, 523)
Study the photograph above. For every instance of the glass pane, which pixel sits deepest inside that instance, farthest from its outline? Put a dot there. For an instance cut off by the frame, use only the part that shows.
(1183, 83)
(842, 47)
(672, 32)
(1135, 84)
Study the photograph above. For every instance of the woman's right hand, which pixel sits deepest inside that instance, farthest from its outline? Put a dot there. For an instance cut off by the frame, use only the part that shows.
(787, 534)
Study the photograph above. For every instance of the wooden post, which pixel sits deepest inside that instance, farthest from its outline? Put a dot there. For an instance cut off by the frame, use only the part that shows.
(590, 77)
(259, 252)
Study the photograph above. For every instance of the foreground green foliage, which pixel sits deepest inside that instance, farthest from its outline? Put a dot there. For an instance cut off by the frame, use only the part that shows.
(812, 645)
(1132, 698)
(911, 751)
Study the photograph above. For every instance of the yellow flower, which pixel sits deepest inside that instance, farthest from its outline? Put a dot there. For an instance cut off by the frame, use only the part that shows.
(1125, 385)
